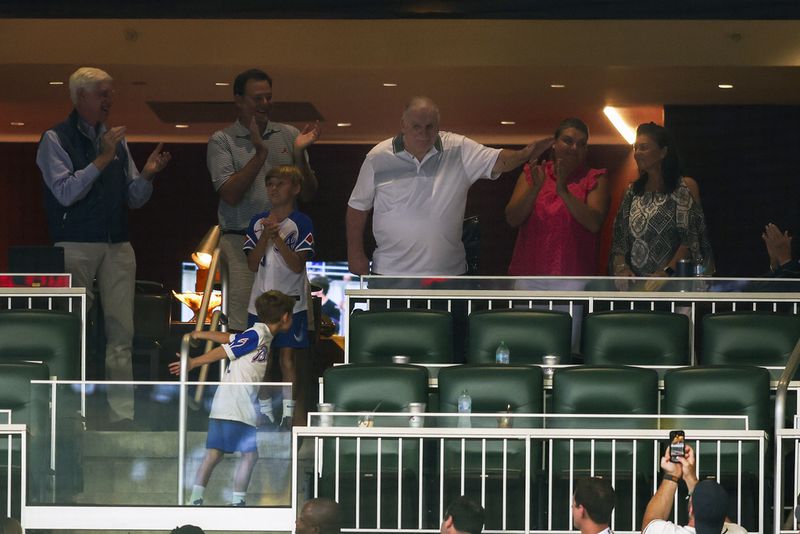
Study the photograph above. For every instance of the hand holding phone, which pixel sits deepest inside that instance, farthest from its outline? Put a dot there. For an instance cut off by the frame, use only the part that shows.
(677, 445)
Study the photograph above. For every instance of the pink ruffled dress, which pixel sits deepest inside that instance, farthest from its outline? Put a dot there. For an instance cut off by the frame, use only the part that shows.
(551, 242)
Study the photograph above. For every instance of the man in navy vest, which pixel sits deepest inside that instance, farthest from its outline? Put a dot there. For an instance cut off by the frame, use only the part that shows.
(92, 181)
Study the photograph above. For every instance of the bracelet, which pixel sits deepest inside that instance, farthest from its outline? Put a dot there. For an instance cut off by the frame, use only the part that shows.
(671, 478)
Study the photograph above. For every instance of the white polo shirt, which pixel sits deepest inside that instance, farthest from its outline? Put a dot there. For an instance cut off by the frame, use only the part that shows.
(419, 205)
(659, 526)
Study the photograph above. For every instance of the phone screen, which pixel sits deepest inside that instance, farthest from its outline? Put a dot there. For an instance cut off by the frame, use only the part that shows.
(676, 445)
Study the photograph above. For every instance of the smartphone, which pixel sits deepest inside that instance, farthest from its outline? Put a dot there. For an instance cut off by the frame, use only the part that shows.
(677, 447)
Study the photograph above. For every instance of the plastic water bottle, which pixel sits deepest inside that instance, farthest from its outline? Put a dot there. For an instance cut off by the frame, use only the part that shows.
(502, 354)
(464, 407)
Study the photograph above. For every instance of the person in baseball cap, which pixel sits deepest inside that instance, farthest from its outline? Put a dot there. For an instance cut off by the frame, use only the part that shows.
(708, 501)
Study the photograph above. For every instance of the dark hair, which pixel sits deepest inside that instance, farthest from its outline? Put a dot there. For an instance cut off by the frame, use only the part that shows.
(321, 282)
(467, 515)
(572, 123)
(597, 497)
(187, 529)
(670, 165)
(325, 513)
(253, 74)
(271, 306)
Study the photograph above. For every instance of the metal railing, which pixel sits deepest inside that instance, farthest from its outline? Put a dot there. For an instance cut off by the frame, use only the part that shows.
(782, 437)
(15, 500)
(523, 476)
(473, 293)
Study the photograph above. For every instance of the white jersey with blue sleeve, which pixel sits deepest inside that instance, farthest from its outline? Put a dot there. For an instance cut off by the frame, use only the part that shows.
(273, 272)
(248, 353)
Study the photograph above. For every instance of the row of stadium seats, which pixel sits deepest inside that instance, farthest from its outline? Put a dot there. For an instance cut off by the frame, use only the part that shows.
(608, 390)
(608, 338)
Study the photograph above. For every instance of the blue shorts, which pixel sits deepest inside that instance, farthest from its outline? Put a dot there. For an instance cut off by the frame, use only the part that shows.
(296, 337)
(231, 436)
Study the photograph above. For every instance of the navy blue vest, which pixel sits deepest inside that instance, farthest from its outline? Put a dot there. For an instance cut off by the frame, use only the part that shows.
(102, 215)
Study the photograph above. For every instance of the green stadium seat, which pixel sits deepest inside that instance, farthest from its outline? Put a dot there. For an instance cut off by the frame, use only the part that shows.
(528, 334)
(366, 388)
(493, 388)
(52, 337)
(749, 338)
(635, 338)
(426, 336)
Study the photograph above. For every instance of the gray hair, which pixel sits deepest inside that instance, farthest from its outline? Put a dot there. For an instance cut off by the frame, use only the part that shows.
(86, 78)
(421, 102)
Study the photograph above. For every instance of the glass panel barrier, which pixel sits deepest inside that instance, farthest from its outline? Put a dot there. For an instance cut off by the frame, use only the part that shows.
(83, 459)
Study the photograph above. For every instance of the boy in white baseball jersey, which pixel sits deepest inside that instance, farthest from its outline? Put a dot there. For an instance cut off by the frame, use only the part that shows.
(232, 421)
(278, 243)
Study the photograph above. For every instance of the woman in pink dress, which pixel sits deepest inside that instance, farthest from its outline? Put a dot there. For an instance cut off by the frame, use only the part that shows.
(559, 207)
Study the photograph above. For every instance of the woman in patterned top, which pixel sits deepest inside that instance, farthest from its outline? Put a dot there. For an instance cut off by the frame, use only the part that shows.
(660, 220)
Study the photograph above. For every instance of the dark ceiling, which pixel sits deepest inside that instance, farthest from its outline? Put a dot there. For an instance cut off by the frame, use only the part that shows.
(413, 9)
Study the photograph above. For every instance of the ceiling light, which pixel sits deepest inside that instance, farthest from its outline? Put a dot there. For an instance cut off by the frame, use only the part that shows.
(56, 83)
(221, 84)
(17, 123)
(344, 124)
(557, 85)
(725, 86)
(507, 123)
(619, 123)
(181, 126)
(389, 84)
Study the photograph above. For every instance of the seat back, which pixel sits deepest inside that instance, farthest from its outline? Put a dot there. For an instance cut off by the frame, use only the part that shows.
(368, 388)
(493, 389)
(151, 316)
(611, 390)
(719, 390)
(365, 387)
(528, 334)
(360, 387)
(52, 337)
(29, 405)
(635, 338)
(749, 338)
(424, 335)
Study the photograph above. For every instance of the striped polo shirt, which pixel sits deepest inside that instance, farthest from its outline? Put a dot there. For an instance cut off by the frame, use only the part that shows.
(229, 150)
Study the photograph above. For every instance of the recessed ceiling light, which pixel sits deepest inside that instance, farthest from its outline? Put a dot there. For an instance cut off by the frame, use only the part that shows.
(221, 84)
(344, 124)
(181, 126)
(725, 86)
(56, 83)
(389, 84)
(17, 123)
(508, 123)
(557, 85)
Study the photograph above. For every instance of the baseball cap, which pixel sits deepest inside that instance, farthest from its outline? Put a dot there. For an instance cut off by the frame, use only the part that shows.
(710, 506)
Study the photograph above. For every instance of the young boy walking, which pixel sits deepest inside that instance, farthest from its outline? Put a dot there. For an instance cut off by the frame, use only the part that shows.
(233, 417)
(279, 242)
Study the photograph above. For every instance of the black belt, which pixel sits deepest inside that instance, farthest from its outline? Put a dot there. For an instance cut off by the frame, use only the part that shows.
(235, 232)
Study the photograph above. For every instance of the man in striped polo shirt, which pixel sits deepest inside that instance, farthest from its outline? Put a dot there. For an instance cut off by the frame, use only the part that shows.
(239, 158)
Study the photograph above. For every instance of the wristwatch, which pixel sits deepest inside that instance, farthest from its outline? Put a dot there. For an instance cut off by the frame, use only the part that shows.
(669, 270)
(669, 477)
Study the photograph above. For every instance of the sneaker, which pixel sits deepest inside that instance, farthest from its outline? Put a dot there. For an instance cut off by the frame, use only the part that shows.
(197, 502)
(265, 424)
(240, 503)
(286, 424)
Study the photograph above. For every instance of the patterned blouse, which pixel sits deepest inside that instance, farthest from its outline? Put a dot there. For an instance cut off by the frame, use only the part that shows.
(650, 227)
